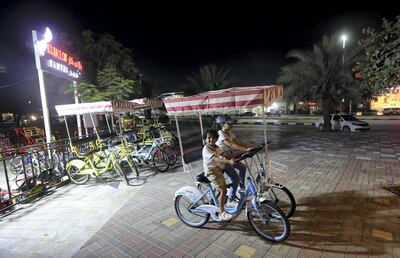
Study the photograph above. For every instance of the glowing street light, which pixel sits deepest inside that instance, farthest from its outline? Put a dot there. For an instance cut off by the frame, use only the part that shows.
(344, 39)
(41, 45)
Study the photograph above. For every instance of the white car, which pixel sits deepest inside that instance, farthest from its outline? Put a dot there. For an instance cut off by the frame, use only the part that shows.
(343, 123)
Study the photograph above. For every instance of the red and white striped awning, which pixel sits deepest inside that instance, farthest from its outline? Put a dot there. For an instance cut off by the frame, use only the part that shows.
(146, 103)
(95, 108)
(107, 107)
(226, 100)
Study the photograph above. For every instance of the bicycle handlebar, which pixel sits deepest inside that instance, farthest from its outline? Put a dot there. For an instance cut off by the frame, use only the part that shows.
(250, 153)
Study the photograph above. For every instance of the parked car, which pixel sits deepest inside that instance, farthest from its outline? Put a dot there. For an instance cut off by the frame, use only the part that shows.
(371, 112)
(343, 123)
(247, 114)
(391, 111)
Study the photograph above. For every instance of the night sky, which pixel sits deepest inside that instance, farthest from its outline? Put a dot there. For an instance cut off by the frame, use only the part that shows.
(169, 41)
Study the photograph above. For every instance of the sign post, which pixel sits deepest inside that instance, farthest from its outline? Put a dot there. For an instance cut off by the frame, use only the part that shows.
(55, 61)
(43, 97)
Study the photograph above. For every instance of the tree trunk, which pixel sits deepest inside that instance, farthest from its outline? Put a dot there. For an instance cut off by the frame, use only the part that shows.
(327, 111)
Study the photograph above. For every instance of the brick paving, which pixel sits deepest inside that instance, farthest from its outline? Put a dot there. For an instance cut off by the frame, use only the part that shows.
(342, 209)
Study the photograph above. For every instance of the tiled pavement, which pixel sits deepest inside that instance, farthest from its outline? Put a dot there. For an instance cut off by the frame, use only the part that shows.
(342, 211)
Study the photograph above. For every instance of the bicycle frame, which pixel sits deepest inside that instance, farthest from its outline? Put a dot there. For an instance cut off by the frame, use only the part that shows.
(145, 155)
(195, 195)
(87, 166)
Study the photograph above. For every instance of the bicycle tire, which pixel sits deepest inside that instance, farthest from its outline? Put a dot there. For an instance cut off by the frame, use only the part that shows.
(31, 178)
(203, 218)
(133, 166)
(15, 165)
(160, 158)
(134, 181)
(171, 155)
(284, 199)
(271, 214)
(77, 179)
(118, 169)
(59, 169)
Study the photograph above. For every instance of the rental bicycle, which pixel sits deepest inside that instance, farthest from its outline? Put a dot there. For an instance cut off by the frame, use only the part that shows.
(267, 219)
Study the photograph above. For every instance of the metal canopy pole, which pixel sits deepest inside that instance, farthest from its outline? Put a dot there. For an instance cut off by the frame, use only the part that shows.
(180, 141)
(201, 127)
(112, 122)
(108, 125)
(78, 117)
(120, 122)
(69, 136)
(84, 123)
(266, 157)
(94, 126)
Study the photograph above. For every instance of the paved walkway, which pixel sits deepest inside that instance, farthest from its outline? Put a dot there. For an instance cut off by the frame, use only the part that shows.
(57, 224)
(336, 178)
(342, 212)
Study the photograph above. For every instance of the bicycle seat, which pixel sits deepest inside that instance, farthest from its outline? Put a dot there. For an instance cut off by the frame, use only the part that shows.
(89, 152)
(113, 144)
(201, 178)
(85, 153)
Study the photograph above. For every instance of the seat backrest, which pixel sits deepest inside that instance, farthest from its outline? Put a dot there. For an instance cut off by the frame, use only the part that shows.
(192, 155)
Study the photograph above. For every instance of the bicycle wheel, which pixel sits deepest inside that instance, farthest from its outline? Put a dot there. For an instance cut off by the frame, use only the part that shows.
(59, 169)
(284, 199)
(121, 172)
(15, 165)
(196, 220)
(78, 179)
(270, 222)
(171, 155)
(28, 180)
(133, 167)
(161, 160)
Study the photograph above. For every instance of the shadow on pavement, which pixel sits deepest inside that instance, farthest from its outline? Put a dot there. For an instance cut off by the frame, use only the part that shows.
(346, 223)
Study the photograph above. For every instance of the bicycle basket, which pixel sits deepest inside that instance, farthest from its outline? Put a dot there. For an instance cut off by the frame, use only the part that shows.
(277, 172)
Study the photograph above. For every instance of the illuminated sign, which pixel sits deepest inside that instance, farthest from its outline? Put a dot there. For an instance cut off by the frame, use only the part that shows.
(60, 63)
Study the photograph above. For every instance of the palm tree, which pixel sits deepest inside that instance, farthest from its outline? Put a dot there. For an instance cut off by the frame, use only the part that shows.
(322, 74)
(209, 77)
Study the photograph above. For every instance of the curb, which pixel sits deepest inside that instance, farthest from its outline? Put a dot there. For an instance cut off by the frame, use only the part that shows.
(243, 122)
(274, 123)
(268, 123)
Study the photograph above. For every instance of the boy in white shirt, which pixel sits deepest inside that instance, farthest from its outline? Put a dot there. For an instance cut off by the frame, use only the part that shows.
(213, 164)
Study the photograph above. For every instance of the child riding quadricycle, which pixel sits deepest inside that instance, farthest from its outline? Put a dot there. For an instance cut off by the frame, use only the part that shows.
(268, 203)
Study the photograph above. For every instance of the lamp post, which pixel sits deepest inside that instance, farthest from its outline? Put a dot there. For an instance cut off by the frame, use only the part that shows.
(344, 39)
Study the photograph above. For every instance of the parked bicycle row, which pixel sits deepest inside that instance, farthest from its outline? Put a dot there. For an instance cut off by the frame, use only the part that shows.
(29, 172)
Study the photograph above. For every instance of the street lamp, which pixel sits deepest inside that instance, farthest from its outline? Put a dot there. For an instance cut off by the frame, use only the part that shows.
(344, 39)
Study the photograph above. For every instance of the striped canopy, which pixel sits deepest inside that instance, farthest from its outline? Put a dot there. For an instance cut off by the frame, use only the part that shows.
(146, 103)
(107, 107)
(226, 100)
